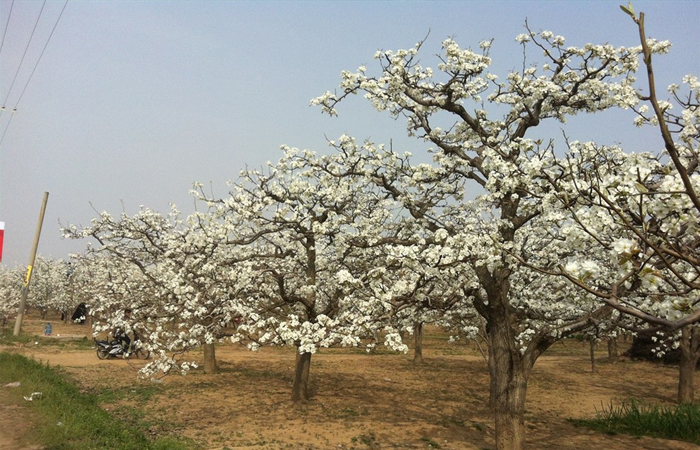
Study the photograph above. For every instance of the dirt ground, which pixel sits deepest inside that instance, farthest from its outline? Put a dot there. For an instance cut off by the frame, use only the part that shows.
(362, 401)
(15, 425)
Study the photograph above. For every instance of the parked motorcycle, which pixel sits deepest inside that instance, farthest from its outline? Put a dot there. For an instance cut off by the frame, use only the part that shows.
(113, 349)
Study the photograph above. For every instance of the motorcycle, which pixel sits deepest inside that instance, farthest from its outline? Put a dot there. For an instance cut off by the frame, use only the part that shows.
(113, 349)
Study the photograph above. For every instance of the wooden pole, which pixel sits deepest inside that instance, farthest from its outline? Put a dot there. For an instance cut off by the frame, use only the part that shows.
(32, 257)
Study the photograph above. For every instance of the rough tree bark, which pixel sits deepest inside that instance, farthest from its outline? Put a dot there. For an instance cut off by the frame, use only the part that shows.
(510, 365)
(418, 341)
(591, 342)
(300, 388)
(612, 349)
(690, 352)
(210, 366)
(508, 385)
(374, 340)
(509, 369)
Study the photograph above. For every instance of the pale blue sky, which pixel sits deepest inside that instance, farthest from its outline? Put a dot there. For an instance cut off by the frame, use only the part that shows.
(135, 100)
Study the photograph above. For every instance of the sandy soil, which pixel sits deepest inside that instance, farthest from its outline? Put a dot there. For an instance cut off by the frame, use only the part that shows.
(366, 401)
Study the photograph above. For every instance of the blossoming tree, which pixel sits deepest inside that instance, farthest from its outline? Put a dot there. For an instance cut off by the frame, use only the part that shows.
(52, 288)
(638, 215)
(308, 236)
(181, 285)
(488, 144)
(10, 286)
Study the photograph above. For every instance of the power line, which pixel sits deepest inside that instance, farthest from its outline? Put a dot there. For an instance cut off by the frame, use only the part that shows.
(7, 25)
(42, 54)
(24, 54)
(7, 126)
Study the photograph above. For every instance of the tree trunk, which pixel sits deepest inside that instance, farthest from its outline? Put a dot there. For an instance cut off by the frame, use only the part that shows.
(686, 368)
(510, 413)
(210, 359)
(375, 341)
(300, 389)
(418, 339)
(493, 373)
(686, 389)
(508, 390)
(612, 349)
(592, 344)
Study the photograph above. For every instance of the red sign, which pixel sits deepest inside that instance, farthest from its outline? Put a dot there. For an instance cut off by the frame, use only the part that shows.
(2, 235)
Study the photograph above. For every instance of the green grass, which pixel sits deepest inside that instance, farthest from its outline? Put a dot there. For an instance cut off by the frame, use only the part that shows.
(7, 338)
(138, 392)
(681, 422)
(431, 443)
(368, 440)
(67, 419)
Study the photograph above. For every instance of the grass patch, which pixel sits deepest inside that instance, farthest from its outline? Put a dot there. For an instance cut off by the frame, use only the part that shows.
(71, 420)
(368, 440)
(7, 338)
(681, 422)
(431, 443)
(138, 392)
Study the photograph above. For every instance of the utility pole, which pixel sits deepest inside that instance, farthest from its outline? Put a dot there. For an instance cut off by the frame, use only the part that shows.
(32, 257)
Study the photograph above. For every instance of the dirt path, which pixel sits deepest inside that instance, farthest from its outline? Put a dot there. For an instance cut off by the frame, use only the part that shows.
(15, 424)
